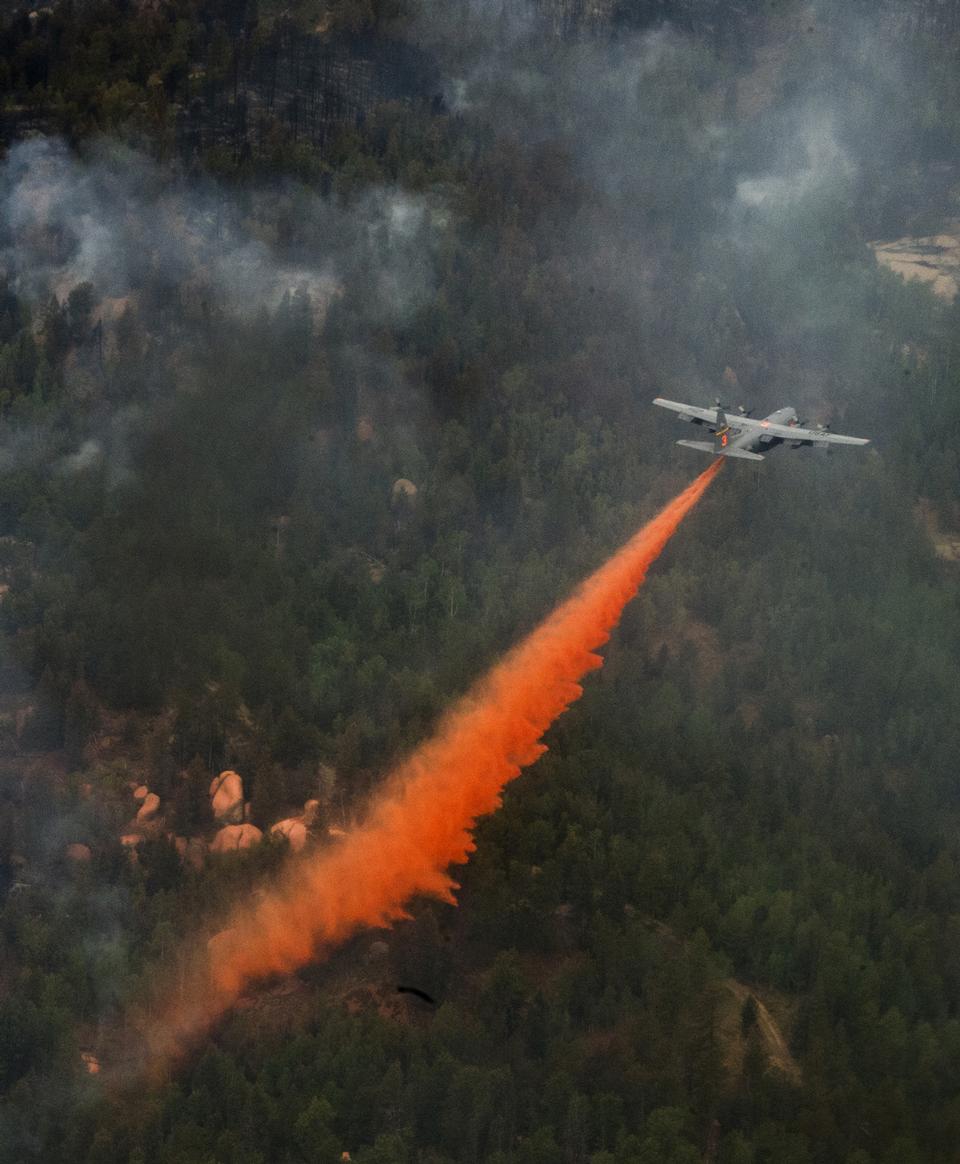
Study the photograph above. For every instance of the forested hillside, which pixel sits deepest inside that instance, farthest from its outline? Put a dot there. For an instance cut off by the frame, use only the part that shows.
(328, 335)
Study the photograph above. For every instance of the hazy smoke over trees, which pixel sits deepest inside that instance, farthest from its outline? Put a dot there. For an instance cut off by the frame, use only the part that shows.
(738, 186)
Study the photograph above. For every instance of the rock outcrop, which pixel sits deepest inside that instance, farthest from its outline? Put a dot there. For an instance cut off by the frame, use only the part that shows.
(293, 829)
(235, 836)
(934, 259)
(226, 798)
(149, 808)
(404, 491)
(130, 841)
(377, 951)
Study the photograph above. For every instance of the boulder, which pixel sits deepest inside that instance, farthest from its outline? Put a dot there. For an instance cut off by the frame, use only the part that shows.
(130, 841)
(148, 809)
(293, 829)
(226, 798)
(377, 951)
(233, 837)
(403, 491)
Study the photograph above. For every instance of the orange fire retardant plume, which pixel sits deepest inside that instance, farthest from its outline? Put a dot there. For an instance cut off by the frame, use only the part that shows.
(419, 823)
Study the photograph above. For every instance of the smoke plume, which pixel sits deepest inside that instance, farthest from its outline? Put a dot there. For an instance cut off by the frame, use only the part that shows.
(419, 823)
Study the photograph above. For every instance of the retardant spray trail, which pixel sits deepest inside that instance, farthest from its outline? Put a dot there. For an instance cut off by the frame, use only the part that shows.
(419, 824)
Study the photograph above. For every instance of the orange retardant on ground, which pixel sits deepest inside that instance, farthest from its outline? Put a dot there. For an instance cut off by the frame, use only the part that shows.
(419, 823)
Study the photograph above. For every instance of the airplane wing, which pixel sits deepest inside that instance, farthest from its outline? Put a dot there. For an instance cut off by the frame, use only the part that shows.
(690, 411)
(794, 432)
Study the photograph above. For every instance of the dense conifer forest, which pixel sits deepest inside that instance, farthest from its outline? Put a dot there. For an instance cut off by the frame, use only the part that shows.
(328, 335)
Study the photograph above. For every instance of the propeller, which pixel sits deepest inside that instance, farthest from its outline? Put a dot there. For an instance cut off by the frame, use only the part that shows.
(718, 403)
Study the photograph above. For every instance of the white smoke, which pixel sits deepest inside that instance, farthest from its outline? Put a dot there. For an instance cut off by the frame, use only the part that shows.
(89, 454)
(814, 162)
(112, 220)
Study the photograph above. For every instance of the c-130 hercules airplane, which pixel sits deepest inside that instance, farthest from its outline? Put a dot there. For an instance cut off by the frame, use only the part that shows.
(742, 435)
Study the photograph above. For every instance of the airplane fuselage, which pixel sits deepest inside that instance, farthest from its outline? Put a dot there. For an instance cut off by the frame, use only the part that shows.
(753, 441)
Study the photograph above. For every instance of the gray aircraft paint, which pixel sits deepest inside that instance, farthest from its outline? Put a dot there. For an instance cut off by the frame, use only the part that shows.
(749, 439)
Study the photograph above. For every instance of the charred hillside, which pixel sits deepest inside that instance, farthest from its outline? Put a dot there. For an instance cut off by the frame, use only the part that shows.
(299, 88)
(247, 81)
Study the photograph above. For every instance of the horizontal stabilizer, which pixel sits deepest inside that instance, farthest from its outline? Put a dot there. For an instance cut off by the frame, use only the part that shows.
(742, 453)
(703, 446)
(707, 447)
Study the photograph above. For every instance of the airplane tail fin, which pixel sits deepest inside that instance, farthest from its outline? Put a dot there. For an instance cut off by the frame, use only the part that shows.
(721, 438)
